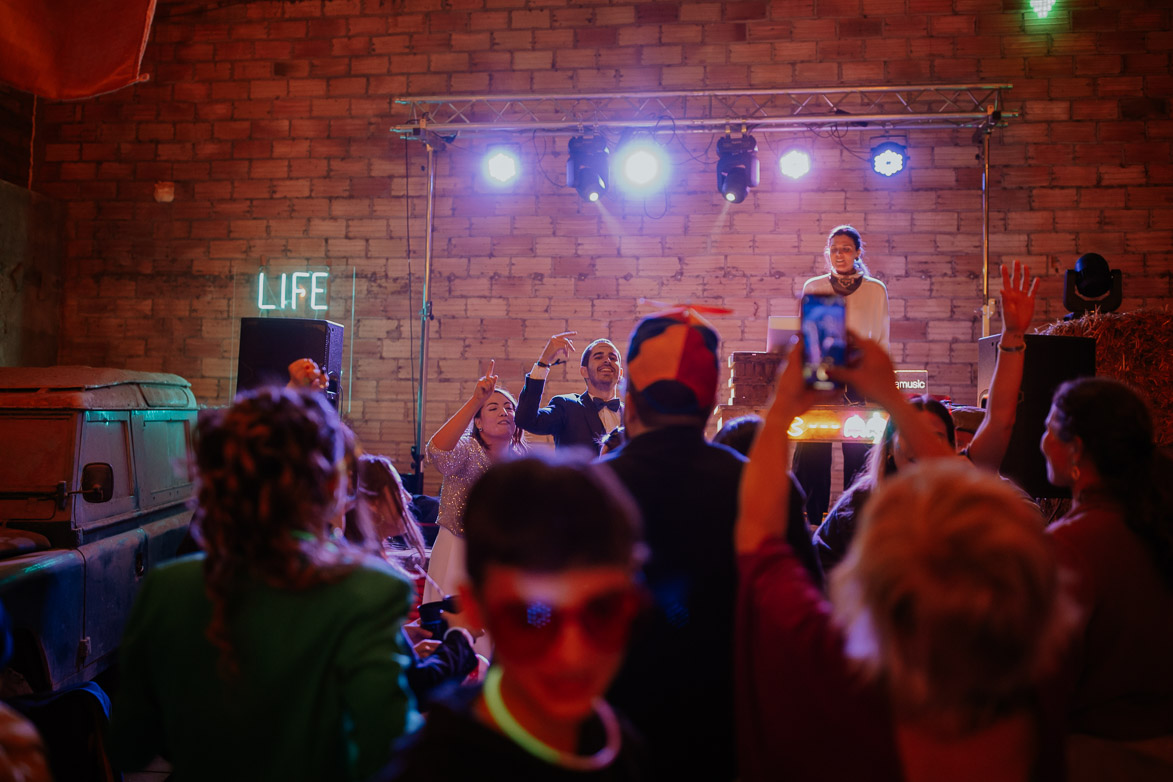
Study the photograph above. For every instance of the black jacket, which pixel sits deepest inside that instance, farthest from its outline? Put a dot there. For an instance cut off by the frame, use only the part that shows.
(570, 418)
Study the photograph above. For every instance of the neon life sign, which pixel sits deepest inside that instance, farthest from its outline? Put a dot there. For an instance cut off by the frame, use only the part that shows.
(839, 424)
(299, 291)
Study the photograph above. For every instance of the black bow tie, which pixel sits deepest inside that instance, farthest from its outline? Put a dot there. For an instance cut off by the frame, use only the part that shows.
(610, 404)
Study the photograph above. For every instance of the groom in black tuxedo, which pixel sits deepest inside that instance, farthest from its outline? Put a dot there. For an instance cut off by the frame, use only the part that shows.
(574, 419)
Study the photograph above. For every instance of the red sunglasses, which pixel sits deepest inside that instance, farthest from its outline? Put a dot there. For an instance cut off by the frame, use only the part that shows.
(526, 631)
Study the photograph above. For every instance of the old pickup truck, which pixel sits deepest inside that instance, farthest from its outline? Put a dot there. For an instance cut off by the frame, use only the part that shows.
(94, 491)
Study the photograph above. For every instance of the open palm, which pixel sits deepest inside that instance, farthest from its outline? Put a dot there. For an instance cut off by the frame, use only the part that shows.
(1018, 298)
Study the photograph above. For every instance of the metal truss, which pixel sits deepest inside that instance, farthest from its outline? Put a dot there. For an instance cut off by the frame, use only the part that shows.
(436, 119)
(843, 109)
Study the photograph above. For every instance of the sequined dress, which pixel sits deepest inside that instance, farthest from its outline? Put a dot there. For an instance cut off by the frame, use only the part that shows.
(461, 467)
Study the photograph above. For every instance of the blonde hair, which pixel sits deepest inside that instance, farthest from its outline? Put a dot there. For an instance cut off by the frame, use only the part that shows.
(951, 593)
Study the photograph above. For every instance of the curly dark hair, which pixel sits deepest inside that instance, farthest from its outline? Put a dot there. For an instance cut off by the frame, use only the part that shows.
(271, 476)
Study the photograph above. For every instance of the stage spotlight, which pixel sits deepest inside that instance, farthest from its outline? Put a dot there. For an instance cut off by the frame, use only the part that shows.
(1092, 287)
(889, 158)
(1042, 7)
(795, 164)
(501, 166)
(738, 168)
(586, 168)
(642, 167)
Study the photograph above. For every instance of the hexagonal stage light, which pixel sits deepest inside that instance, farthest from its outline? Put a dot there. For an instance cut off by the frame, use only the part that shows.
(889, 158)
(501, 166)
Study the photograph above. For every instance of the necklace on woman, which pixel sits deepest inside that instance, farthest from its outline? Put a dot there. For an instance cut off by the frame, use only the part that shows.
(845, 287)
(540, 749)
(846, 284)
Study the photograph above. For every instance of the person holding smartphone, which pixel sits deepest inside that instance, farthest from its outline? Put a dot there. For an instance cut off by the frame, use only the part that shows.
(866, 302)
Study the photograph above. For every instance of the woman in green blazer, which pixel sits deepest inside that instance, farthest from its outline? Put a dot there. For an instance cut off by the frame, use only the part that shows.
(276, 653)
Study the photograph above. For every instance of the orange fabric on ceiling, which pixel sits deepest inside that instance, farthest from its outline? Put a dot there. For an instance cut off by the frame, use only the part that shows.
(67, 49)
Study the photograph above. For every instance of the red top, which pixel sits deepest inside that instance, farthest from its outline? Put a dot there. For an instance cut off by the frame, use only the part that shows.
(802, 713)
(1121, 677)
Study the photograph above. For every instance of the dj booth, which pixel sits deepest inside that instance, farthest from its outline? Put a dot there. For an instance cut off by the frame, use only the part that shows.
(1050, 361)
(751, 385)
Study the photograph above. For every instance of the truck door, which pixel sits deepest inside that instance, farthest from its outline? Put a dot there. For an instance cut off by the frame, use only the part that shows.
(115, 563)
(162, 439)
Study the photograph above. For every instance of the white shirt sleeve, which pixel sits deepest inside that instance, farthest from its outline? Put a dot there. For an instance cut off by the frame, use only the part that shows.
(883, 326)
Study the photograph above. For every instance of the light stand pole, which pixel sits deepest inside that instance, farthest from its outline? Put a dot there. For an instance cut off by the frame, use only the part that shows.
(983, 134)
(416, 479)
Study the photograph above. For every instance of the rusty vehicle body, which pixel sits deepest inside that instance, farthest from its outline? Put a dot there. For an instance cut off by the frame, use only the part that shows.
(94, 492)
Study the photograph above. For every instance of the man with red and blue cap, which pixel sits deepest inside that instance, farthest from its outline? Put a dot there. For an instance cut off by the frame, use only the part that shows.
(677, 682)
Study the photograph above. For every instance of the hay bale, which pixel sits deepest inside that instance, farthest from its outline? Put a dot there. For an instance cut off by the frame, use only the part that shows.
(1135, 348)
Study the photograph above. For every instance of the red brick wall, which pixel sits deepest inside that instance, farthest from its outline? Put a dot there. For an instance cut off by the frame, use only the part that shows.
(16, 127)
(271, 118)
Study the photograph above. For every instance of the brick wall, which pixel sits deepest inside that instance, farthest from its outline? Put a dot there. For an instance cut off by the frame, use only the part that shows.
(271, 119)
(16, 127)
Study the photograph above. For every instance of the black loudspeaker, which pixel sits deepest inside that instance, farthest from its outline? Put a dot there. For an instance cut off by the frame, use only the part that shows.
(1050, 361)
(269, 345)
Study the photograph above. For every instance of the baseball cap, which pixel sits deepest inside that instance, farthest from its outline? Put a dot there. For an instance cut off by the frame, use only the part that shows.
(672, 362)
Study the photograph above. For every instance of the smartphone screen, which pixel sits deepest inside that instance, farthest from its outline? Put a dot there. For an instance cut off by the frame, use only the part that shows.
(824, 338)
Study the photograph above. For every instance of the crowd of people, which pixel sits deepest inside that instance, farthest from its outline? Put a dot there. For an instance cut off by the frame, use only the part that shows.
(653, 605)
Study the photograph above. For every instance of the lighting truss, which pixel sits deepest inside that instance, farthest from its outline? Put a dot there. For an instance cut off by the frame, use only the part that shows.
(762, 111)
(435, 119)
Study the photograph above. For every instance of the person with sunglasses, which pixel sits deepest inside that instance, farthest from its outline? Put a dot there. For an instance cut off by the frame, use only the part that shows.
(553, 550)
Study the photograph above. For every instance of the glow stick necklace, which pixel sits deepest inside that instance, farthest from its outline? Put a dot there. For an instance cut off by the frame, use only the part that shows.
(541, 750)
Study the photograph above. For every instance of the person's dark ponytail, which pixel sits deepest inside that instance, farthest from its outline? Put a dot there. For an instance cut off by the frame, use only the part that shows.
(1116, 429)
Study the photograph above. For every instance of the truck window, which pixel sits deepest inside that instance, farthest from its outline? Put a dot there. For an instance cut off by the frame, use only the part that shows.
(162, 453)
(37, 454)
(106, 438)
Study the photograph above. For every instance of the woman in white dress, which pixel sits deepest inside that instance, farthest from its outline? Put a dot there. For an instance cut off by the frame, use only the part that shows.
(462, 453)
